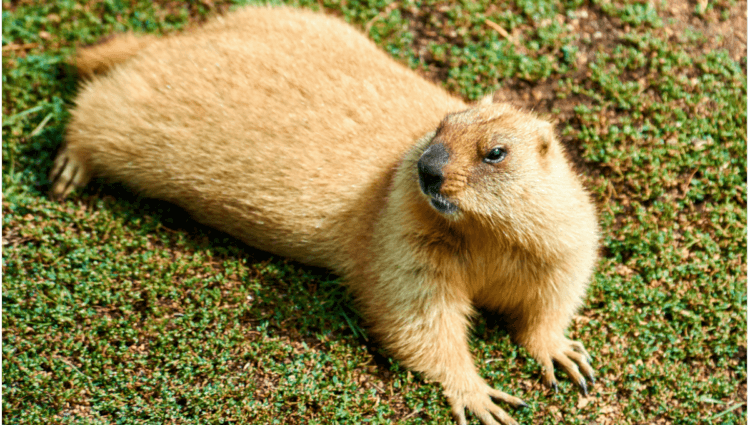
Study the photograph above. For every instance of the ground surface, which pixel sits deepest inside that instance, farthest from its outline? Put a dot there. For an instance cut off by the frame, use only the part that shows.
(120, 309)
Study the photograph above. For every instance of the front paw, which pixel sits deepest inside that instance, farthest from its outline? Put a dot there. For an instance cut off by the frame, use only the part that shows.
(479, 403)
(573, 358)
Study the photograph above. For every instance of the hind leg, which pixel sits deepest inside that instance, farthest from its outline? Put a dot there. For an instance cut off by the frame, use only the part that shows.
(68, 172)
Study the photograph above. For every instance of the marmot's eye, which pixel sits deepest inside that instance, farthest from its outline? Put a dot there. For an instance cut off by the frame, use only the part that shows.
(495, 155)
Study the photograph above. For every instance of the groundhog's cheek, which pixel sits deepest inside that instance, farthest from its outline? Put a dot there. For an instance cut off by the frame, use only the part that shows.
(485, 191)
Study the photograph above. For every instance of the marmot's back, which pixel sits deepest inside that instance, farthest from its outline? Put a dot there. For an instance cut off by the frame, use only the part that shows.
(287, 119)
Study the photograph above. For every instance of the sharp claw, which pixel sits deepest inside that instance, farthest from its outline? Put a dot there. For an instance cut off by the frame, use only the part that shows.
(582, 387)
(522, 404)
(555, 387)
(592, 378)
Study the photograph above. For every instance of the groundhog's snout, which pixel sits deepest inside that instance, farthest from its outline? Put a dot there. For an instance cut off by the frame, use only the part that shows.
(430, 168)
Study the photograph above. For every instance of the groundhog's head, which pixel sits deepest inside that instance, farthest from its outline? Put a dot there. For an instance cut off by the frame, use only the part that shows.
(485, 160)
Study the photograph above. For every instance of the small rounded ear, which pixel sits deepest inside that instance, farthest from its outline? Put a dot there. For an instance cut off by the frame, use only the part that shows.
(546, 137)
(488, 99)
(494, 97)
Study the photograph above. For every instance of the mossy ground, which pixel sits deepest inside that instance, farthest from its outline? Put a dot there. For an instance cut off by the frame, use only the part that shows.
(118, 309)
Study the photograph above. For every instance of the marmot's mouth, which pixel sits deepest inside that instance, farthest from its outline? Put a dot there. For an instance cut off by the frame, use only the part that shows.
(443, 205)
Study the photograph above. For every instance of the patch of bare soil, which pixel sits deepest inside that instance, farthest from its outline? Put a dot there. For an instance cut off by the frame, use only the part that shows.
(729, 34)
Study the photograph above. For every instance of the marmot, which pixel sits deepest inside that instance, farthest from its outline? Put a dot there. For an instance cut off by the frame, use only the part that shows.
(293, 132)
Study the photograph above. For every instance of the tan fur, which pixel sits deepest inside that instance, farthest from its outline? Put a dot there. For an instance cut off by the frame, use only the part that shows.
(293, 132)
(98, 58)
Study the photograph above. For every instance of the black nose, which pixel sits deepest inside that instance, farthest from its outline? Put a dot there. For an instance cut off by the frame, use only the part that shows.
(430, 167)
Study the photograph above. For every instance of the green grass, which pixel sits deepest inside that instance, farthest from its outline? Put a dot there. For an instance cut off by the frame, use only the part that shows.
(118, 309)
